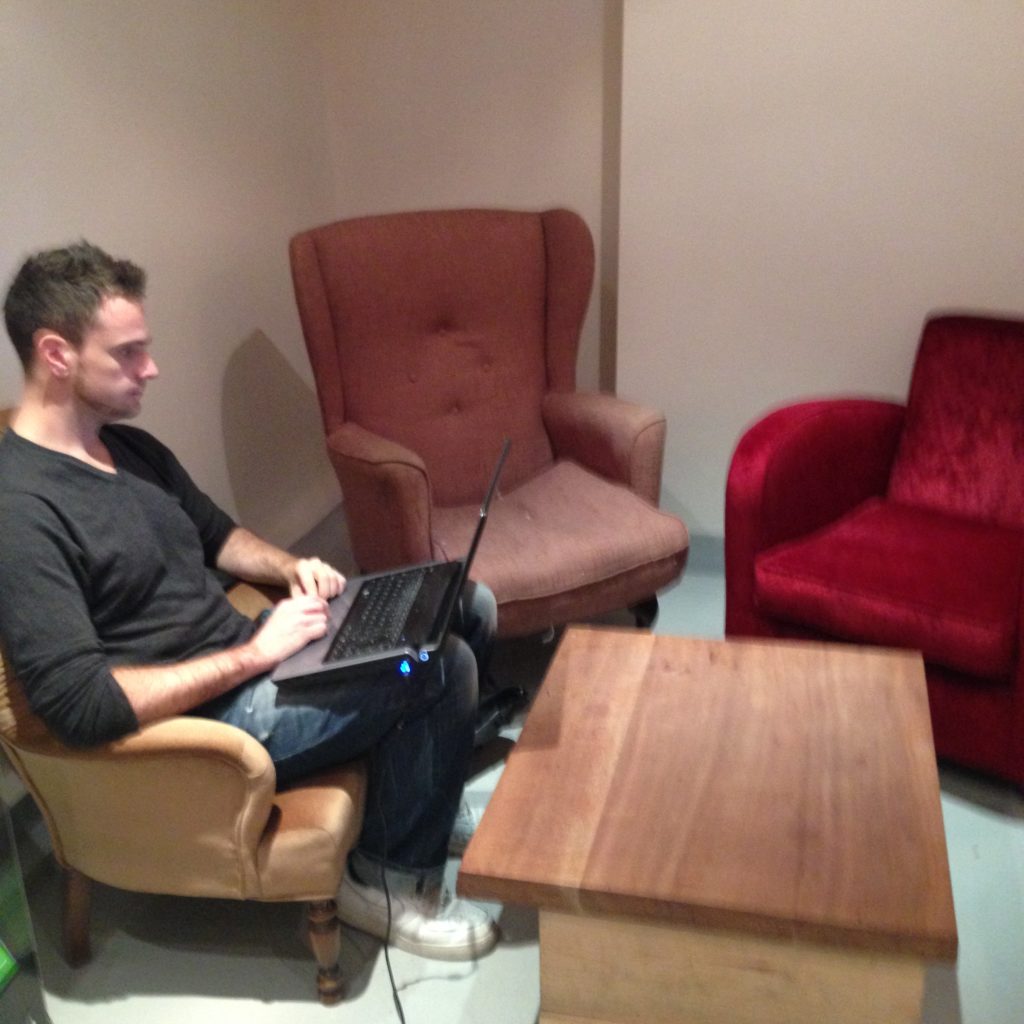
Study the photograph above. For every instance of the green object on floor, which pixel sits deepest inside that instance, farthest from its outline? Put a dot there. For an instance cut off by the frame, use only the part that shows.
(8, 967)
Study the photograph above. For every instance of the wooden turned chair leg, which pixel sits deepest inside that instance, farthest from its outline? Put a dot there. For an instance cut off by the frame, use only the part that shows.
(77, 905)
(325, 938)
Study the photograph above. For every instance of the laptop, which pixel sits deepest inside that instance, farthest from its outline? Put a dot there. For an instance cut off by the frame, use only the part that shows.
(395, 620)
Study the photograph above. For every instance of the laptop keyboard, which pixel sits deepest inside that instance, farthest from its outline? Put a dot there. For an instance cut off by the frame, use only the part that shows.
(378, 615)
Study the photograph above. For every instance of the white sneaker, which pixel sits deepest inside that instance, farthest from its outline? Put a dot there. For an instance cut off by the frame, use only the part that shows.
(434, 924)
(465, 825)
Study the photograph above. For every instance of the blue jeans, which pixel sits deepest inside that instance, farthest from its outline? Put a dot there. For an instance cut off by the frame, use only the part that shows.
(415, 734)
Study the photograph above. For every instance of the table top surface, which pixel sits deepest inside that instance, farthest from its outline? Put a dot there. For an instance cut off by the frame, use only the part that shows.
(783, 788)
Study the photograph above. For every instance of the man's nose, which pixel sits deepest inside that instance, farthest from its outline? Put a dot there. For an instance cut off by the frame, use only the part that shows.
(150, 370)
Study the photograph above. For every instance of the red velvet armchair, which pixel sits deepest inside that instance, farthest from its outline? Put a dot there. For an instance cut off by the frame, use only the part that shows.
(903, 526)
(432, 337)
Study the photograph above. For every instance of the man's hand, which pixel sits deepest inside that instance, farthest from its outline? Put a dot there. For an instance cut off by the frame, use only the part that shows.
(314, 578)
(292, 624)
(156, 691)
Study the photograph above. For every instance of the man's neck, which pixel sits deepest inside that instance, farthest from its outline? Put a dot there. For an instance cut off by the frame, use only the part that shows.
(62, 427)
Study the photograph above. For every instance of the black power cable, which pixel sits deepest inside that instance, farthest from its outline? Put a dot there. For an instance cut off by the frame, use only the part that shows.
(387, 943)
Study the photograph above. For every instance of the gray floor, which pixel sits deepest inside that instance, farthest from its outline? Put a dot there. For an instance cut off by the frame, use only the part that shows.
(172, 960)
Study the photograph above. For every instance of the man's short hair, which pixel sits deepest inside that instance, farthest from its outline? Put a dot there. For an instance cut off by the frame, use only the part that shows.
(62, 290)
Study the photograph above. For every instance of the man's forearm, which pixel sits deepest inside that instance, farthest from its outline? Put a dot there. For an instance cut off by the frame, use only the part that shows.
(158, 691)
(253, 559)
(250, 558)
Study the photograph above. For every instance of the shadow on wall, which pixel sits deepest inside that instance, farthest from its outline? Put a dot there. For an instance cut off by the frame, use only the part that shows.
(280, 476)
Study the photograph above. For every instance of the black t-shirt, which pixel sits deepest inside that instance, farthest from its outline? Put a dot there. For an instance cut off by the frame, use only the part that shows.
(100, 570)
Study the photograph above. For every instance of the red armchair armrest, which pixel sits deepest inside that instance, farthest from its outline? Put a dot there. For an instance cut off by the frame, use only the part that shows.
(793, 471)
(387, 498)
(619, 440)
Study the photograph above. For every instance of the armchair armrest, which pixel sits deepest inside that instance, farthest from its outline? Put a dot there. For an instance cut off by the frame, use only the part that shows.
(620, 440)
(793, 471)
(200, 789)
(253, 598)
(387, 498)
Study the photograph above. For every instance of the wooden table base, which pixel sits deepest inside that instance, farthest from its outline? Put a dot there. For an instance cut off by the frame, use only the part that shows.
(630, 971)
(721, 832)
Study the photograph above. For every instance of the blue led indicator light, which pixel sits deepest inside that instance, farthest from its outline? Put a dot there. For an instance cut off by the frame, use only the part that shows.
(404, 667)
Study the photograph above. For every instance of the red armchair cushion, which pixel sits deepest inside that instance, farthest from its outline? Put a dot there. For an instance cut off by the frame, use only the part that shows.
(564, 529)
(900, 576)
(962, 447)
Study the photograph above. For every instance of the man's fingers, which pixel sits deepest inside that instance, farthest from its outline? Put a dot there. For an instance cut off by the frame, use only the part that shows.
(292, 625)
(305, 581)
(313, 576)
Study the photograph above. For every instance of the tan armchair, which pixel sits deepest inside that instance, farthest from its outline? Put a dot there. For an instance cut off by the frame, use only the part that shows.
(188, 807)
(434, 335)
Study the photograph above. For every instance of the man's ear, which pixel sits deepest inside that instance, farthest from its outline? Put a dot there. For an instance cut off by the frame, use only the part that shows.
(54, 353)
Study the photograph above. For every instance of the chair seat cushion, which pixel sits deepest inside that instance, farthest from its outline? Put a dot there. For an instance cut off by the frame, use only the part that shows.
(901, 576)
(563, 531)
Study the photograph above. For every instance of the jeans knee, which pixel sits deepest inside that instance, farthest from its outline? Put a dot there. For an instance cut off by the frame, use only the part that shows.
(486, 608)
(480, 616)
(461, 683)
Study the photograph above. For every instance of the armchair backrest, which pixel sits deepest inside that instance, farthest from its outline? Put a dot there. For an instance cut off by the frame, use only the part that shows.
(442, 331)
(18, 722)
(962, 448)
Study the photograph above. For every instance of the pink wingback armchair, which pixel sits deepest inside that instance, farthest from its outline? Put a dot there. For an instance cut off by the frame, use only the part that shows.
(876, 523)
(432, 337)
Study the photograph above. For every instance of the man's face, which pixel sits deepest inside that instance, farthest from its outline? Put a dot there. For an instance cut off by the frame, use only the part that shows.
(112, 365)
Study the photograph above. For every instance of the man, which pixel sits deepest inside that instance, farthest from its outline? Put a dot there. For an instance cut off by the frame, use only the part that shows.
(111, 616)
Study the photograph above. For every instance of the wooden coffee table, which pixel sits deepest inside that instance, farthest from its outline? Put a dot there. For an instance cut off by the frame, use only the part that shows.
(723, 833)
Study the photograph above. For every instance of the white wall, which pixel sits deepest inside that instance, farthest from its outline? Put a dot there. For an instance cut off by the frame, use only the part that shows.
(468, 103)
(188, 136)
(801, 184)
(196, 136)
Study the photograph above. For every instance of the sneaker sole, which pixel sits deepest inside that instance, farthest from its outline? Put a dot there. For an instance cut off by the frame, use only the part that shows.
(467, 951)
(470, 950)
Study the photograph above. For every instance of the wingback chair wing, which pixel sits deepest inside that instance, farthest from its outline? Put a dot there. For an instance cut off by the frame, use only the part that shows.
(880, 523)
(188, 806)
(433, 336)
